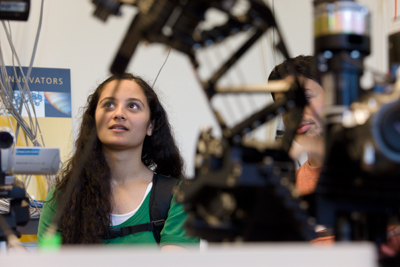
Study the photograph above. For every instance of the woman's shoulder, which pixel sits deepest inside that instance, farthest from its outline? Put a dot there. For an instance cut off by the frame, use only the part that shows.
(50, 194)
(174, 232)
(162, 193)
(51, 198)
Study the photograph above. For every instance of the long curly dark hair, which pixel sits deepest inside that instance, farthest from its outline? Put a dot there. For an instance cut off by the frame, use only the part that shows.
(86, 216)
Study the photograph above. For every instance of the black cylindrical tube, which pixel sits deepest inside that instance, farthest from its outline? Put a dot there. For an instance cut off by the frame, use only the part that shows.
(341, 30)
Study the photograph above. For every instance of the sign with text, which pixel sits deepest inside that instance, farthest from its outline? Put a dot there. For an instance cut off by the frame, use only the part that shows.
(50, 90)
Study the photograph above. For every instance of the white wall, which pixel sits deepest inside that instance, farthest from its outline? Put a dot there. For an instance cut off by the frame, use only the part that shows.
(72, 38)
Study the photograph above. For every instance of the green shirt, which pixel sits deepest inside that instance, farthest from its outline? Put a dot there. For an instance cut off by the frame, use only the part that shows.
(173, 232)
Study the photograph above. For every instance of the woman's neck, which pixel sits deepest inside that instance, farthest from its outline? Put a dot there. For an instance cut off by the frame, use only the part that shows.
(126, 165)
(316, 152)
(315, 161)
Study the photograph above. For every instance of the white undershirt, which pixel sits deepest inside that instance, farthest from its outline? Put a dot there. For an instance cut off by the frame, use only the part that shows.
(117, 219)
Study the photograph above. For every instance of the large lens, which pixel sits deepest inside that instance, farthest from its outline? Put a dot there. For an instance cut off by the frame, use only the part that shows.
(386, 130)
(6, 137)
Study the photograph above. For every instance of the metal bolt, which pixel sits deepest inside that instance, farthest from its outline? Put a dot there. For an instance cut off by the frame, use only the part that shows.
(237, 139)
(230, 181)
(328, 54)
(285, 181)
(303, 205)
(355, 54)
(322, 67)
(311, 221)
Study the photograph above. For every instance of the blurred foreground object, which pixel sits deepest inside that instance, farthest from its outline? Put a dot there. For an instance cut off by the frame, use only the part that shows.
(358, 193)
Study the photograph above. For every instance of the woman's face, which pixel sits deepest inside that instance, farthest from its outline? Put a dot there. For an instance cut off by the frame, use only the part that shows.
(122, 116)
(310, 128)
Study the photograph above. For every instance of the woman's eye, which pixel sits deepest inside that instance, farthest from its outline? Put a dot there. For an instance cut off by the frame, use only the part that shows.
(133, 105)
(109, 105)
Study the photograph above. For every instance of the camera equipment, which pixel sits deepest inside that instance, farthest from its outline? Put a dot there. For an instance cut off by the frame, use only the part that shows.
(20, 160)
(358, 190)
(175, 23)
(341, 30)
(104, 8)
(31, 160)
(244, 193)
(6, 138)
(25, 160)
(19, 203)
(14, 9)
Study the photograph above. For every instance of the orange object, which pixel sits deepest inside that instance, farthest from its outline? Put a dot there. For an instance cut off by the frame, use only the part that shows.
(307, 178)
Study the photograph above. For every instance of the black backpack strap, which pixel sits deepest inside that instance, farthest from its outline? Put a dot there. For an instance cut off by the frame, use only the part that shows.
(160, 200)
(128, 230)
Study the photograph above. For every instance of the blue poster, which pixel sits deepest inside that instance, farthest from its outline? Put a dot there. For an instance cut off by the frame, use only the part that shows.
(50, 90)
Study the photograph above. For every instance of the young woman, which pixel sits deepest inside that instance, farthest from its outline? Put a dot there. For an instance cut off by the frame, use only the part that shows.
(134, 144)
